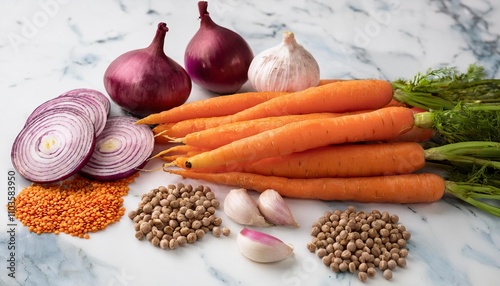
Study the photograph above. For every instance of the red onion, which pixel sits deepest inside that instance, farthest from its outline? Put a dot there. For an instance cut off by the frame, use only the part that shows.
(53, 145)
(217, 58)
(122, 148)
(92, 107)
(146, 81)
(92, 93)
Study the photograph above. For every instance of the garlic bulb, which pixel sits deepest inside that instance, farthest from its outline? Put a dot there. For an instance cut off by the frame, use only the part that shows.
(262, 247)
(285, 67)
(274, 208)
(240, 207)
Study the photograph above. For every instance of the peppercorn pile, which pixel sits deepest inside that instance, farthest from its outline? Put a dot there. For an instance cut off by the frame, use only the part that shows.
(176, 215)
(76, 206)
(358, 241)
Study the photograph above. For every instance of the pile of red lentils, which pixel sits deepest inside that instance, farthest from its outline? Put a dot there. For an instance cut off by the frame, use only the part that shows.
(77, 206)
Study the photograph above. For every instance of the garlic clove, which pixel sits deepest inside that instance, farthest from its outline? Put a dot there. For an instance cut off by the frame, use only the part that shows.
(285, 67)
(274, 209)
(240, 207)
(261, 247)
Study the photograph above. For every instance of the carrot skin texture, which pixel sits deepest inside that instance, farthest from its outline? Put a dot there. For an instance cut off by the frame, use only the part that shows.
(224, 134)
(401, 189)
(416, 134)
(347, 160)
(382, 124)
(210, 107)
(335, 97)
(330, 80)
(180, 150)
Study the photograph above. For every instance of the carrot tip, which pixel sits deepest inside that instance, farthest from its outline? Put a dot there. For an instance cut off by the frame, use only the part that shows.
(173, 139)
(160, 133)
(188, 164)
(167, 165)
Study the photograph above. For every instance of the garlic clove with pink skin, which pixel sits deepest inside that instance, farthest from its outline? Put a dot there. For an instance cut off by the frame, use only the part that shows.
(261, 247)
(240, 207)
(285, 67)
(274, 209)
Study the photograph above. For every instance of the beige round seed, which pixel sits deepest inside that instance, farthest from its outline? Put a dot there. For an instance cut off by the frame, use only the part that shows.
(226, 231)
(362, 276)
(387, 274)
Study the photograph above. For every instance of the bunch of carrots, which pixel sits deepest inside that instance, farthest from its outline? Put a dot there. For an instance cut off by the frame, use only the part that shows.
(341, 140)
(346, 140)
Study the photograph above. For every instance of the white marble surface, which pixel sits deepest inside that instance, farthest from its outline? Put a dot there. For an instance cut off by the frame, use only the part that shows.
(50, 46)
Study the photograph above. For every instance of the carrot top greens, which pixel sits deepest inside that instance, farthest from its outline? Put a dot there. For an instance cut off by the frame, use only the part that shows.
(443, 88)
(473, 175)
(465, 122)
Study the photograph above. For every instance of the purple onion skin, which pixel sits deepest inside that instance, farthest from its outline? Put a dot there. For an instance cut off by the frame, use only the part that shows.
(146, 81)
(217, 58)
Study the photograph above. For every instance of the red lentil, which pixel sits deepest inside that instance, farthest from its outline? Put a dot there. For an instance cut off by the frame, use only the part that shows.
(76, 206)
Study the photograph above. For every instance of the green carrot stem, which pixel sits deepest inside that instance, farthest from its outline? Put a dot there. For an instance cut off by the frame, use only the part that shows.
(479, 153)
(444, 87)
(422, 100)
(471, 193)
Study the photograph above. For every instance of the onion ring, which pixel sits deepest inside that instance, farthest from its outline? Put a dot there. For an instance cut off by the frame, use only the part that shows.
(121, 149)
(53, 145)
(92, 107)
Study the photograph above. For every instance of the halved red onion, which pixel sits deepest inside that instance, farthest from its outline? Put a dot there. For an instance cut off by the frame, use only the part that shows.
(54, 145)
(90, 106)
(92, 93)
(121, 150)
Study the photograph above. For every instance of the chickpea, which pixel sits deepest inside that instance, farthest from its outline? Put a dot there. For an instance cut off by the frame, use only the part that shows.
(371, 272)
(343, 267)
(355, 240)
(164, 244)
(327, 259)
(387, 274)
(311, 246)
(362, 276)
(321, 252)
(216, 231)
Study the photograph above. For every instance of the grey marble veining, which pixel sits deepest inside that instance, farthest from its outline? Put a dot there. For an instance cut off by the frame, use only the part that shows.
(50, 46)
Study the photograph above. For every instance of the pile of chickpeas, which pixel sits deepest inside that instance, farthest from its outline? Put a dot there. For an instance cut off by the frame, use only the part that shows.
(177, 215)
(350, 241)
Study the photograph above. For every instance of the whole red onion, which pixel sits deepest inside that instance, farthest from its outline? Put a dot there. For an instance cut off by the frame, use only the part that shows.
(146, 81)
(217, 58)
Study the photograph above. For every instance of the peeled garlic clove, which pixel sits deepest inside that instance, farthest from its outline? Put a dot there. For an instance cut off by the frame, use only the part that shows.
(262, 247)
(274, 208)
(240, 207)
(285, 67)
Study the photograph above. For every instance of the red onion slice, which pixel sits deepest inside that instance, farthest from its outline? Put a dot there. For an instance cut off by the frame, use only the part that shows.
(92, 93)
(54, 145)
(121, 149)
(91, 107)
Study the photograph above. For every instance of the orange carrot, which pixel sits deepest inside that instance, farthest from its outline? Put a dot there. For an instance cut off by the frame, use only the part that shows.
(416, 134)
(180, 150)
(216, 106)
(329, 80)
(381, 124)
(214, 137)
(210, 107)
(402, 189)
(336, 97)
(394, 102)
(347, 160)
